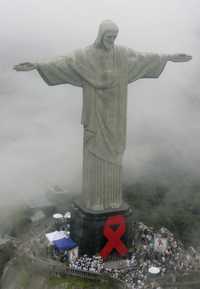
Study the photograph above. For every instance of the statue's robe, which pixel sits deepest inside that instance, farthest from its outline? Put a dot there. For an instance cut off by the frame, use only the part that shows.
(104, 77)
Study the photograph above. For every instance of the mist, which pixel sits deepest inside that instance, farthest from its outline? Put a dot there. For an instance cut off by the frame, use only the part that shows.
(40, 131)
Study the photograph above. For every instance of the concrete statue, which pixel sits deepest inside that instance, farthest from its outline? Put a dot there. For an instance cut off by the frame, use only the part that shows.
(103, 70)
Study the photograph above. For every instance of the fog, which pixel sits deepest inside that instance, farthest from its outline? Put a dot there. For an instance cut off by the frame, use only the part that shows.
(40, 131)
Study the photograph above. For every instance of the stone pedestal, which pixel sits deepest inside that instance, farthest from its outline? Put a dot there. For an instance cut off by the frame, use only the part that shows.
(87, 228)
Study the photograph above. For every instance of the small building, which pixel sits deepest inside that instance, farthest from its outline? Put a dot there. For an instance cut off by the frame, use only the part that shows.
(67, 245)
(63, 244)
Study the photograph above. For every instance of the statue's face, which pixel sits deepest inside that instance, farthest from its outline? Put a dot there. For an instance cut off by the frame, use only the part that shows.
(109, 39)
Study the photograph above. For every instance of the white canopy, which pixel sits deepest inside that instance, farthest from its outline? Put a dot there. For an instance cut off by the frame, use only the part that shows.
(57, 216)
(56, 235)
(67, 215)
(154, 270)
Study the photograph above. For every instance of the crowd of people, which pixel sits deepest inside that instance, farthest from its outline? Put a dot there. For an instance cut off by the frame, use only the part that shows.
(85, 263)
(172, 258)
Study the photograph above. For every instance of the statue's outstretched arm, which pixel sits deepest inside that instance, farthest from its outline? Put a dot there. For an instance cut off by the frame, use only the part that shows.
(25, 66)
(55, 72)
(150, 65)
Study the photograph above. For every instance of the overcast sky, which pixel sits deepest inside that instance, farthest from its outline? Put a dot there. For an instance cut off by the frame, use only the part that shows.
(40, 131)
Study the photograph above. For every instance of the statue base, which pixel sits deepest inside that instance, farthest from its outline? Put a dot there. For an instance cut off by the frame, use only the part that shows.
(87, 229)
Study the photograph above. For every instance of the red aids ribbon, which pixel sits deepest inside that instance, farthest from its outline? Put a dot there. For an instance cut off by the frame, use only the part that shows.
(114, 236)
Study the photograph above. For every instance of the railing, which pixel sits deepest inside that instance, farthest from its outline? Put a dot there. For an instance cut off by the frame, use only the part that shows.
(54, 268)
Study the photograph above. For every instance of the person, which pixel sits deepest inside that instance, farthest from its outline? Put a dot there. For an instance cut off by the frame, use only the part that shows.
(103, 70)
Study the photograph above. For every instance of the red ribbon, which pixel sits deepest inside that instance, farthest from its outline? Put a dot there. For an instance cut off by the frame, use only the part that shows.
(114, 237)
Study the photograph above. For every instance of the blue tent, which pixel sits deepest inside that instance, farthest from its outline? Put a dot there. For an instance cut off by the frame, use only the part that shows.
(64, 244)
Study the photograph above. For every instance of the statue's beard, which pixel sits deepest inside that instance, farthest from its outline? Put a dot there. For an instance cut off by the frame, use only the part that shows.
(108, 46)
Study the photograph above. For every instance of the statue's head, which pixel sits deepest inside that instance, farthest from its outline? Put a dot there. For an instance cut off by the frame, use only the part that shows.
(107, 34)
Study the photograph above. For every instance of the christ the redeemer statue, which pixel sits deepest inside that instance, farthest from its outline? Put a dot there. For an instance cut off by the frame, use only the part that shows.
(103, 70)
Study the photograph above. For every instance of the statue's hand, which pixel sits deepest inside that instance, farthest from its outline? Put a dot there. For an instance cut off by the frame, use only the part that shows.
(25, 66)
(179, 57)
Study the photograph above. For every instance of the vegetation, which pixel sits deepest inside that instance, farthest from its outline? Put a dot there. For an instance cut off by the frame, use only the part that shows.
(72, 282)
(15, 220)
(20, 221)
(24, 279)
(176, 207)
